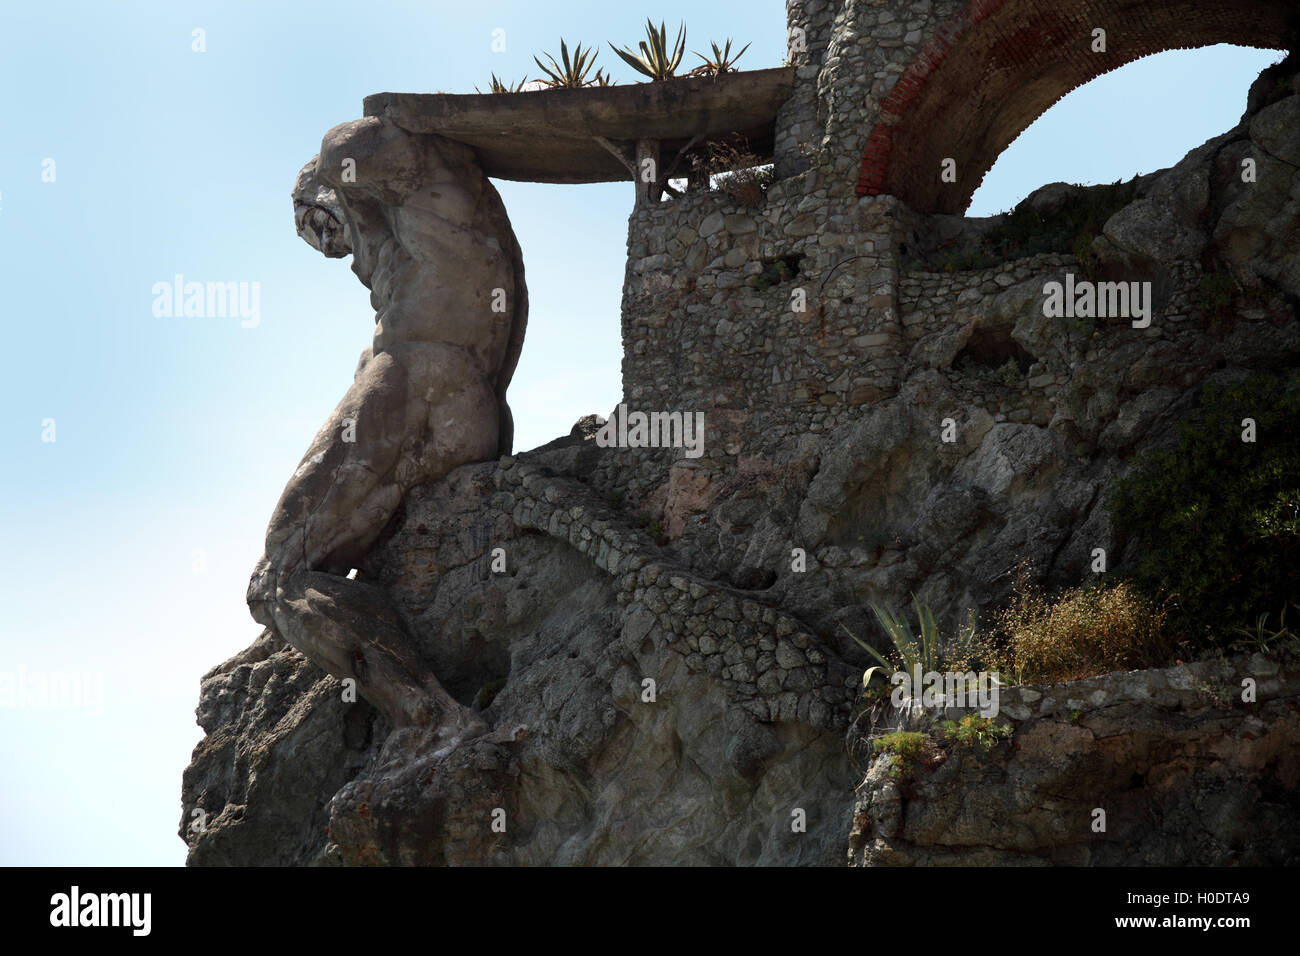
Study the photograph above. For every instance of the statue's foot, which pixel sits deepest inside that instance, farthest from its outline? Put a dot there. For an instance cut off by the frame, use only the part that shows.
(352, 631)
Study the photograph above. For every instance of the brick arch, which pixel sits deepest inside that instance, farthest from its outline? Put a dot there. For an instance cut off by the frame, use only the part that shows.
(998, 65)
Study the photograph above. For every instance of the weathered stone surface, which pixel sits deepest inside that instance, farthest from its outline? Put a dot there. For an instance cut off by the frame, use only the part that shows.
(318, 216)
(279, 744)
(1185, 777)
(926, 347)
(550, 135)
(431, 239)
(960, 92)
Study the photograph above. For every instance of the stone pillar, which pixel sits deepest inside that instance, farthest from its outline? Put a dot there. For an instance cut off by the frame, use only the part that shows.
(647, 172)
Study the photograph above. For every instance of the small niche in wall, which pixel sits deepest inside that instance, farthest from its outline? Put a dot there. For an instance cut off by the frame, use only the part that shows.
(993, 353)
(776, 271)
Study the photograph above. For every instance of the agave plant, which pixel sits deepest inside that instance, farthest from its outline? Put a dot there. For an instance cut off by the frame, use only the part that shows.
(568, 74)
(1261, 636)
(722, 61)
(499, 87)
(914, 651)
(656, 61)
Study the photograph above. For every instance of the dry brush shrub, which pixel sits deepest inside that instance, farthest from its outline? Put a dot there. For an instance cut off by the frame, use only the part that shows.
(741, 174)
(1086, 632)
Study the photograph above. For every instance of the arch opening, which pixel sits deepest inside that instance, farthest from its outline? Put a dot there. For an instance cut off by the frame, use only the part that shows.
(1140, 119)
(1000, 64)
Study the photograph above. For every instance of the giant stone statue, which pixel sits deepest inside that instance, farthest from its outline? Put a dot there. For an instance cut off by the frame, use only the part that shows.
(430, 238)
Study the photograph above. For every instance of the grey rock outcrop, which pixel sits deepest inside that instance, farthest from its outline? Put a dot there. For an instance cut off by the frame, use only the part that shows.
(1165, 767)
(277, 735)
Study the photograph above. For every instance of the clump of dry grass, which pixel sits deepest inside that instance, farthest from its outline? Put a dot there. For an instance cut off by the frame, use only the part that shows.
(1086, 632)
(740, 173)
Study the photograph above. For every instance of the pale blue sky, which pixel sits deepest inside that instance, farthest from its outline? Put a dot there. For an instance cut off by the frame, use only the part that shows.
(130, 538)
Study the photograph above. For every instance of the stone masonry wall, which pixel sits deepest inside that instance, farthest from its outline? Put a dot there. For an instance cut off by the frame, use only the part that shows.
(764, 659)
(799, 121)
(711, 325)
(705, 330)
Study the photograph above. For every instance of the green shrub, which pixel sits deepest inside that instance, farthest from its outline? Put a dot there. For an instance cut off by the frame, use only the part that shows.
(501, 86)
(653, 527)
(974, 731)
(1265, 639)
(566, 73)
(1009, 373)
(487, 693)
(1217, 519)
(1079, 218)
(1083, 252)
(720, 62)
(967, 260)
(657, 60)
(905, 748)
(1217, 290)
(876, 541)
(775, 272)
(927, 650)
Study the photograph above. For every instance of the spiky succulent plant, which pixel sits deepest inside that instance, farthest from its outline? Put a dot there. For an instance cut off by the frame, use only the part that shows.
(657, 60)
(568, 74)
(500, 87)
(721, 62)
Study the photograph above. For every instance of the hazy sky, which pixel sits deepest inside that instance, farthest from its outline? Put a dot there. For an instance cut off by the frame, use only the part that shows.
(130, 537)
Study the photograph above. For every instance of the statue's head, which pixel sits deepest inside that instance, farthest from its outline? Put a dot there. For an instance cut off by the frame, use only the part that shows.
(318, 216)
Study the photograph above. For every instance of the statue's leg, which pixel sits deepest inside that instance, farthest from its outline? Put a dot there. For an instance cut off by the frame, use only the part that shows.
(352, 631)
(411, 416)
(346, 487)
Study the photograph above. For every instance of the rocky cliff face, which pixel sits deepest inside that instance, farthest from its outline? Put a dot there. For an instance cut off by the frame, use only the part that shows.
(1163, 767)
(666, 683)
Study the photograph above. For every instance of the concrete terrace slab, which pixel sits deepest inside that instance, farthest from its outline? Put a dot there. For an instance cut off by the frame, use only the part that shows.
(547, 136)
